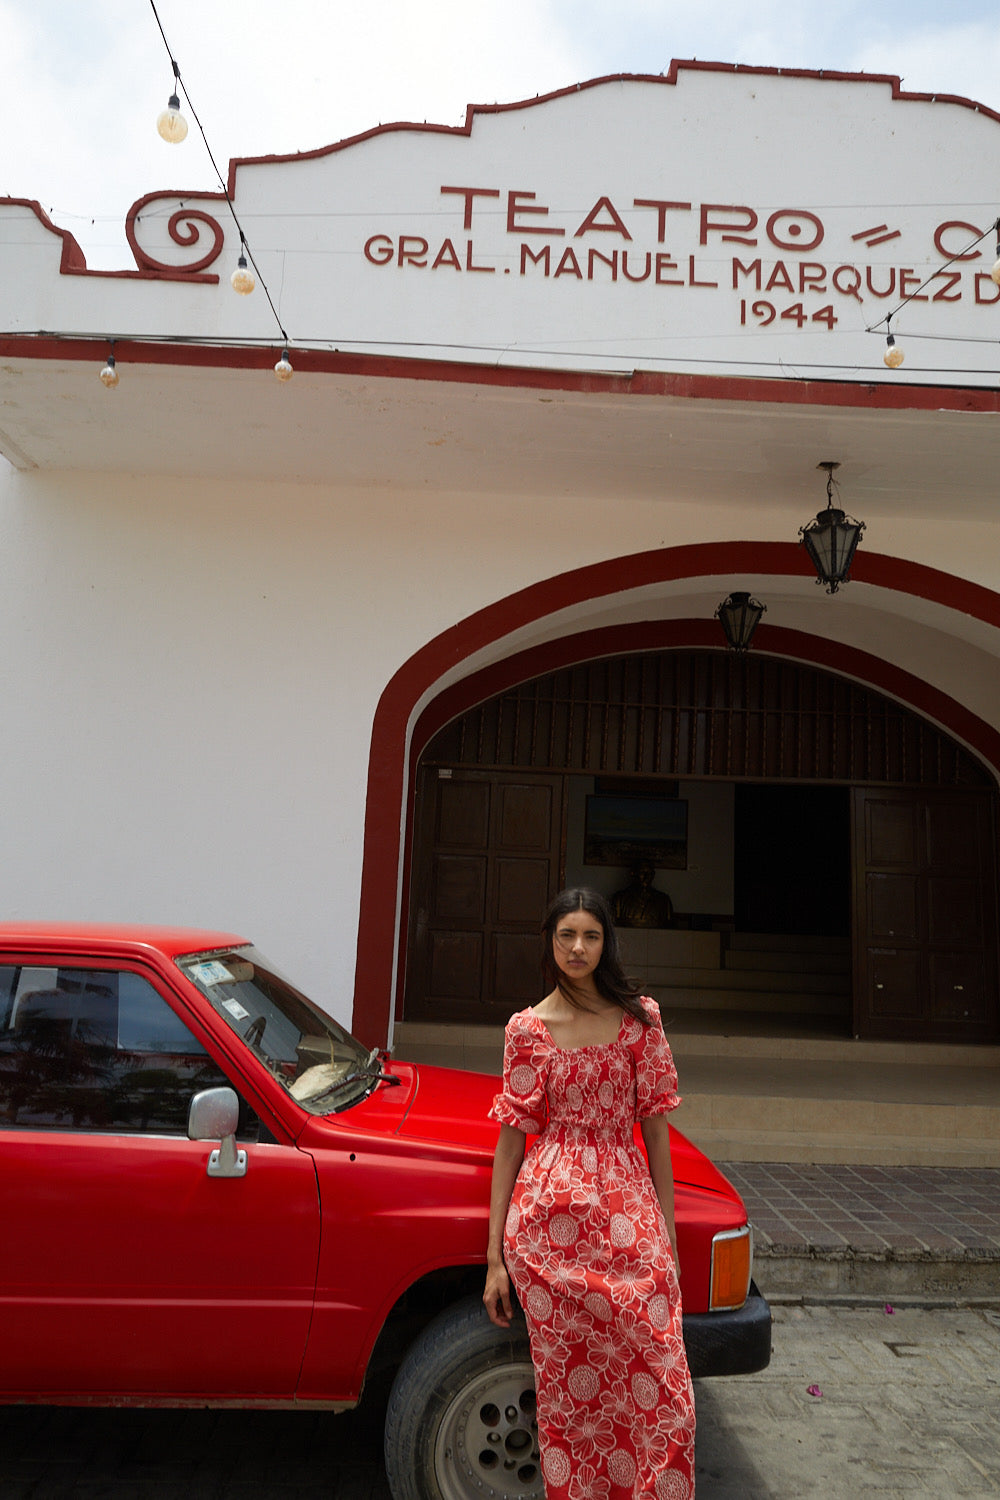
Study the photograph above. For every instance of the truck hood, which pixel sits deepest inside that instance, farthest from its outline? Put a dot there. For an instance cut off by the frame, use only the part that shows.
(452, 1107)
(449, 1106)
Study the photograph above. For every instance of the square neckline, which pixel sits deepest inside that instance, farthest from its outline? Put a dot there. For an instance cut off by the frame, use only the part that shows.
(585, 1046)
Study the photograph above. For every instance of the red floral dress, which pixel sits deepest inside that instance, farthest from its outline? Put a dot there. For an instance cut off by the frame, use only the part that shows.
(587, 1249)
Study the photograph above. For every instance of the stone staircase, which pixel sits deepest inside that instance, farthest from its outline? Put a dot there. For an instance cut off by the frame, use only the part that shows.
(802, 1098)
(767, 1090)
(732, 972)
(760, 1030)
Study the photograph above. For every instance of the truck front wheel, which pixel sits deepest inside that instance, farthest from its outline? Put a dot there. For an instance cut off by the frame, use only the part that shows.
(460, 1423)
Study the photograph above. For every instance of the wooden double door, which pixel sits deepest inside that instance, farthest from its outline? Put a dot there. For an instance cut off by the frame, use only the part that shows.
(488, 854)
(487, 859)
(924, 915)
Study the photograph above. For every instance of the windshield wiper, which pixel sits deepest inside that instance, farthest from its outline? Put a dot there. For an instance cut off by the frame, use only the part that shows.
(361, 1075)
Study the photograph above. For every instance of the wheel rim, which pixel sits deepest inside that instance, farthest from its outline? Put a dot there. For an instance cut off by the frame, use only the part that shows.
(487, 1443)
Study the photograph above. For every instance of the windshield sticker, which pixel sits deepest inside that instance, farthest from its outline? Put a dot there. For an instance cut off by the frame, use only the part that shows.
(235, 1009)
(211, 972)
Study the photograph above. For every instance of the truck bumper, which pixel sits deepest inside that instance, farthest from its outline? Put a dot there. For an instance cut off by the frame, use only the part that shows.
(729, 1343)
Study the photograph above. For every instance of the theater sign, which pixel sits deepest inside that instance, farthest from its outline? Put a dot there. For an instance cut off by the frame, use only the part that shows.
(713, 220)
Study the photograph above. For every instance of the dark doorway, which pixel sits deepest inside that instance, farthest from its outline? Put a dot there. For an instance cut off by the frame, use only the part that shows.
(793, 860)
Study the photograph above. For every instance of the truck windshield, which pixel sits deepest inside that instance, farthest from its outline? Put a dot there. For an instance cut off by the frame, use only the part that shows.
(318, 1062)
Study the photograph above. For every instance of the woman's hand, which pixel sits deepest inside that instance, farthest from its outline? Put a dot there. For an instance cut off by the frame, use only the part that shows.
(506, 1161)
(496, 1297)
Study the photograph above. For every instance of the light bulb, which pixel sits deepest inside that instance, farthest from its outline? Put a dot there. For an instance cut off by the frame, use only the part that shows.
(242, 279)
(170, 123)
(893, 355)
(283, 369)
(995, 271)
(109, 375)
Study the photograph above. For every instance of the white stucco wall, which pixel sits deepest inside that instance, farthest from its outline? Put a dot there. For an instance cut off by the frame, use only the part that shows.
(191, 673)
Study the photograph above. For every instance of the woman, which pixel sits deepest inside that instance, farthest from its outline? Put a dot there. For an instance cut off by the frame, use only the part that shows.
(585, 1229)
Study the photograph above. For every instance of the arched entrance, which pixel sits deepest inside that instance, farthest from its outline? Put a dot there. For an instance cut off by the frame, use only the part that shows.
(829, 854)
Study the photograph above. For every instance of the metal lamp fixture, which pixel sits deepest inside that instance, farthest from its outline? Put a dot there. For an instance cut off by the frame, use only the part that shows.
(739, 616)
(832, 539)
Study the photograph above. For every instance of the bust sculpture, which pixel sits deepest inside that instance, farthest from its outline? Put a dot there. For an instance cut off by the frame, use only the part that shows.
(640, 904)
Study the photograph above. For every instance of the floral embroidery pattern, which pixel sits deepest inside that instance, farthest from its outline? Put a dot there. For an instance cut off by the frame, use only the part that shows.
(588, 1252)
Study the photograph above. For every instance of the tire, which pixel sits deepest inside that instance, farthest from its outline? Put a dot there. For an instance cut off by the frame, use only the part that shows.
(460, 1423)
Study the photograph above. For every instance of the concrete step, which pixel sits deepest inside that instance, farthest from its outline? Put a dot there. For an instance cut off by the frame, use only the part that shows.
(786, 943)
(678, 998)
(448, 1044)
(693, 1043)
(736, 959)
(768, 981)
(804, 1110)
(902, 1278)
(798, 1098)
(841, 1146)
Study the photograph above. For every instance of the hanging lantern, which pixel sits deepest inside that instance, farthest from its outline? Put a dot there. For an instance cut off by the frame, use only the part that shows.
(739, 616)
(832, 539)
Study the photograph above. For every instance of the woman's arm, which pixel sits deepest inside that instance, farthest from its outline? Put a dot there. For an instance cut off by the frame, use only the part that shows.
(507, 1161)
(656, 1135)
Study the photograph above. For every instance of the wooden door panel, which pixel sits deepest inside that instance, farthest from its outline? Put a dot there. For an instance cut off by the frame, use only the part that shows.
(485, 864)
(893, 907)
(952, 831)
(894, 982)
(954, 911)
(957, 986)
(456, 963)
(463, 813)
(516, 978)
(925, 938)
(459, 888)
(522, 891)
(525, 817)
(891, 833)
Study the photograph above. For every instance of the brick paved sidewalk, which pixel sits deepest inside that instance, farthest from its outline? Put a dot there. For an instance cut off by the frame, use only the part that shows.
(825, 1233)
(943, 1209)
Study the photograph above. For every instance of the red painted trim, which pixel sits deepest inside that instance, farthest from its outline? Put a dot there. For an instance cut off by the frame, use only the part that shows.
(72, 258)
(677, 67)
(658, 635)
(726, 560)
(790, 391)
(141, 352)
(73, 262)
(191, 215)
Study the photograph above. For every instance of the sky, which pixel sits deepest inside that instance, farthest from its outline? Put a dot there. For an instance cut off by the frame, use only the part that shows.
(85, 79)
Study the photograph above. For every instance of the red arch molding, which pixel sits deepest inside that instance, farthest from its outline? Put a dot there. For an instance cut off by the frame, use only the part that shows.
(389, 760)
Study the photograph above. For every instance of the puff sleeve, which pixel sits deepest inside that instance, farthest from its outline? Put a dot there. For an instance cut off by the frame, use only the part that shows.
(655, 1074)
(522, 1101)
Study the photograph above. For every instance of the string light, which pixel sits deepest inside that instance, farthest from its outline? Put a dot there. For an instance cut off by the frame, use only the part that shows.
(893, 356)
(109, 375)
(170, 123)
(242, 279)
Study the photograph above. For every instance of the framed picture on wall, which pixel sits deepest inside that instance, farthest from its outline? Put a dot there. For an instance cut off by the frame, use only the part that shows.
(624, 829)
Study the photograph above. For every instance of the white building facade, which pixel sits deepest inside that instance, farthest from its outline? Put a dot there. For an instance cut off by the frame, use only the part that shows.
(343, 663)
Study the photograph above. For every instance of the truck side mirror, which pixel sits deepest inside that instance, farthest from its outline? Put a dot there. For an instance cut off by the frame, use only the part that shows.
(214, 1115)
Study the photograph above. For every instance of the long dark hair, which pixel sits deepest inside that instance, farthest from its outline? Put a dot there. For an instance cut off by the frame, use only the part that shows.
(610, 978)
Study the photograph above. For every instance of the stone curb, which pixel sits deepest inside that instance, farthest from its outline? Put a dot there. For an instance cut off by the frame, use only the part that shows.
(927, 1277)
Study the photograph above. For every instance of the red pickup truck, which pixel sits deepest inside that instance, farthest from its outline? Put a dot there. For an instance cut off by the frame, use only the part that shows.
(213, 1195)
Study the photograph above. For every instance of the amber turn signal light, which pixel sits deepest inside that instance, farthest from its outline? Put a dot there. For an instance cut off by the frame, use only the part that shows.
(732, 1260)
